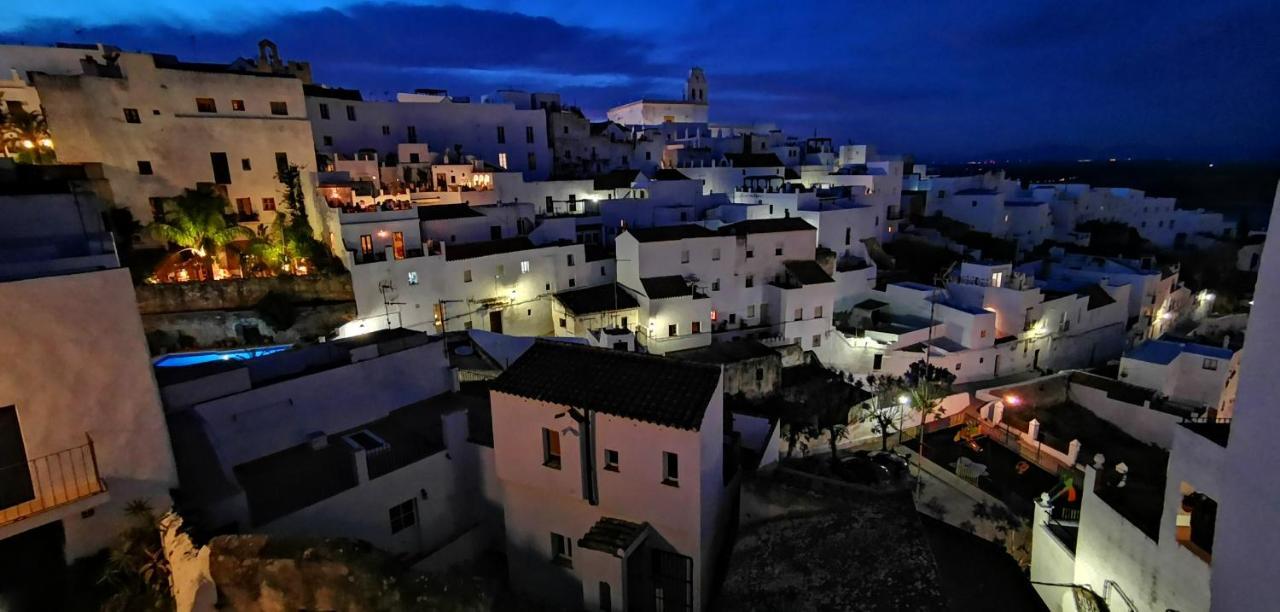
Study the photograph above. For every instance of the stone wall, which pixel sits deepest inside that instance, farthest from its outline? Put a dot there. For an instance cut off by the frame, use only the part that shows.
(241, 294)
(227, 328)
(190, 577)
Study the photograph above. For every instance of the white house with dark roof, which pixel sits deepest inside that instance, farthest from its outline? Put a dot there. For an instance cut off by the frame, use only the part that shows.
(616, 488)
(1185, 372)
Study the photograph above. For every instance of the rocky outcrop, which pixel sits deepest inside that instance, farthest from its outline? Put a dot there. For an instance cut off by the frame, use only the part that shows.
(242, 294)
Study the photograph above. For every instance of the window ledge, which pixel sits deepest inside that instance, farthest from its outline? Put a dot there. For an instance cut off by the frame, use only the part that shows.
(553, 464)
(671, 483)
(611, 468)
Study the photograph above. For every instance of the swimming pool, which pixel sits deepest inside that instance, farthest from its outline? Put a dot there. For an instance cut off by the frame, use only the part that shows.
(177, 360)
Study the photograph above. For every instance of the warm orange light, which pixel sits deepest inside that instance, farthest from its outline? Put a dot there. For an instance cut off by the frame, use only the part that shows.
(1012, 400)
(714, 315)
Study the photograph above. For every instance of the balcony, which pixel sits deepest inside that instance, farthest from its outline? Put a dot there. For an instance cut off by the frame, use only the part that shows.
(66, 479)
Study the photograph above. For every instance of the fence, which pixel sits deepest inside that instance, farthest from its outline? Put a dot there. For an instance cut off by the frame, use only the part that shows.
(50, 481)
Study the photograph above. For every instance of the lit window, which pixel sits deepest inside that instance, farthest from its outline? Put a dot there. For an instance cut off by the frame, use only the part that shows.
(413, 278)
(670, 469)
(403, 516)
(524, 267)
(561, 550)
(238, 105)
(550, 448)
(611, 460)
(502, 160)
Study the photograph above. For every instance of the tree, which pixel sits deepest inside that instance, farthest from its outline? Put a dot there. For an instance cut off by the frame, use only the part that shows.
(26, 134)
(799, 425)
(289, 239)
(884, 408)
(927, 385)
(834, 402)
(136, 569)
(196, 222)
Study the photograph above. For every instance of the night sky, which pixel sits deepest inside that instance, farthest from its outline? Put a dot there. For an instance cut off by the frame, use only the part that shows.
(946, 81)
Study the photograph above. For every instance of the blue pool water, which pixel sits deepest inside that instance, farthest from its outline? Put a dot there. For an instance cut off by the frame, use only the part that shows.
(178, 360)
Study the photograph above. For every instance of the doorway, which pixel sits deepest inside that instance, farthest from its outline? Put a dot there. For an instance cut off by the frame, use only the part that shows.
(495, 321)
(1035, 360)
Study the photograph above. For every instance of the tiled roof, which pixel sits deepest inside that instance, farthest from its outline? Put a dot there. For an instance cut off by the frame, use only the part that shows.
(725, 352)
(765, 226)
(617, 179)
(611, 535)
(669, 174)
(753, 160)
(661, 287)
(670, 232)
(446, 211)
(645, 388)
(601, 298)
(468, 250)
(807, 272)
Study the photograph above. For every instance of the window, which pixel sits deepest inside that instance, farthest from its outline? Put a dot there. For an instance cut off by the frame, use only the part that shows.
(221, 170)
(715, 285)
(413, 278)
(1210, 364)
(777, 250)
(648, 155)
(563, 323)
(524, 267)
(246, 165)
(366, 244)
(550, 448)
(414, 158)
(561, 550)
(268, 203)
(528, 134)
(606, 597)
(411, 133)
(144, 167)
(282, 163)
(611, 460)
(277, 108)
(324, 111)
(751, 253)
(131, 116)
(715, 254)
(502, 135)
(817, 342)
(533, 161)
(403, 516)
(751, 281)
(670, 469)
(397, 244)
(501, 270)
(206, 105)
(502, 161)
(238, 105)
(684, 256)
(351, 113)
(696, 327)
(573, 282)
(800, 314)
(759, 374)
(386, 130)
(671, 330)
(877, 361)
(466, 276)
(751, 310)
(982, 334)
(569, 258)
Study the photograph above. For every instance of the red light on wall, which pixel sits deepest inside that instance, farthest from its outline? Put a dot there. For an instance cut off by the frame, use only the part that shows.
(714, 315)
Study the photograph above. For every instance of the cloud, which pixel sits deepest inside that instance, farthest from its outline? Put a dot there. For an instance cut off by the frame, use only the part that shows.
(940, 79)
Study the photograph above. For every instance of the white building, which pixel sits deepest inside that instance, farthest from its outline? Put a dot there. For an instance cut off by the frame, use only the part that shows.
(159, 125)
(361, 437)
(692, 108)
(1156, 219)
(501, 134)
(613, 476)
(1185, 372)
(79, 440)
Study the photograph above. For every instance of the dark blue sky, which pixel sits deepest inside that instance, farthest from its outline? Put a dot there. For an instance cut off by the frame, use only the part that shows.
(941, 80)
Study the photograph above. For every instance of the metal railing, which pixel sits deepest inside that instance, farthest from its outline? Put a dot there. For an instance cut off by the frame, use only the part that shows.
(50, 481)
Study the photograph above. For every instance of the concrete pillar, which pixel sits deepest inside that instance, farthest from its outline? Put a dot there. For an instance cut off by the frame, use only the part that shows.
(1033, 429)
(361, 465)
(1073, 451)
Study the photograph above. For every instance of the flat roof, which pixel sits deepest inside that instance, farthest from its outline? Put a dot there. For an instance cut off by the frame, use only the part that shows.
(600, 298)
(666, 233)
(1164, 352)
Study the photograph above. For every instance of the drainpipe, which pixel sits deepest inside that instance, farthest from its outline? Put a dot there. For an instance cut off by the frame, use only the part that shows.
(586, 424)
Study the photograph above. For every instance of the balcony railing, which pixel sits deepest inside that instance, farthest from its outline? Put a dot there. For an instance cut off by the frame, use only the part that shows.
(47, 482)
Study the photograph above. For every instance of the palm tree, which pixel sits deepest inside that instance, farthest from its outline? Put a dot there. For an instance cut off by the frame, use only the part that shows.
(196, 222)
(26, 134)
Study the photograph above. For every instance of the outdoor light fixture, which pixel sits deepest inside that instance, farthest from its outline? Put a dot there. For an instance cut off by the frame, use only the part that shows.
(27, 144)
(46, 143)
(1012, 400)
(382, 233)
(904, 399)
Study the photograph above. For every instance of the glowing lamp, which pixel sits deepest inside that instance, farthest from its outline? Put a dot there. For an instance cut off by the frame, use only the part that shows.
(382, 233)
(46, 143)
(1012, 400)
(714, 315)
(904, 399)
(27, 144)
